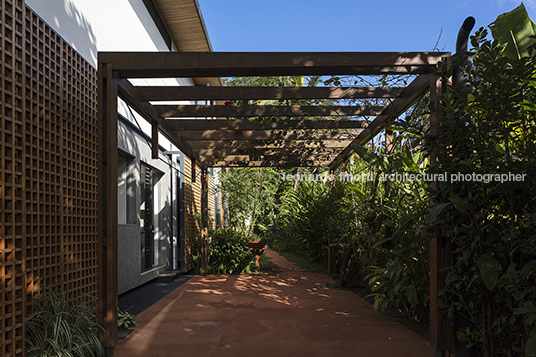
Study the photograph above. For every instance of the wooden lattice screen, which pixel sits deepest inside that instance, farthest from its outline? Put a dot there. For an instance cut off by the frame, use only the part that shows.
(48, 169)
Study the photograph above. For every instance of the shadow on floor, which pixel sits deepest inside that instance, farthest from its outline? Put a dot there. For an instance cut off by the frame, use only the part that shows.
(291, 314)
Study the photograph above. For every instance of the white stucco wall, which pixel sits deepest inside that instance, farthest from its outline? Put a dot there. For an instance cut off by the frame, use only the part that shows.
(130, 272)
(90, 26)
(101, 25)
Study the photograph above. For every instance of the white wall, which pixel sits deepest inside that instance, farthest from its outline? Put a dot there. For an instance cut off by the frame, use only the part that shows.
(101, 25)
(124, 25)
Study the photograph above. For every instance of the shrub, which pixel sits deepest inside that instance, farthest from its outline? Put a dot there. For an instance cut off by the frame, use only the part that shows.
(125, 320)
(229, 253)
(491, 224)
(61, 326)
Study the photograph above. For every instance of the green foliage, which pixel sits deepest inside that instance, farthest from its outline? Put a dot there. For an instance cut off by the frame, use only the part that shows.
(529, 311)
(251, 195)
(267, 263)
(62, 327)
(513, 30)
(125, 320)
(312, 216)
(489, 131)
(392, 215)
(229, 252)
(304, 263)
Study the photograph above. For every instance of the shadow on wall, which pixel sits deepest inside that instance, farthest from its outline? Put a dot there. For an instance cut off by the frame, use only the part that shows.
(165, 243)
(127, 143)
(192, 232)
(67, 20)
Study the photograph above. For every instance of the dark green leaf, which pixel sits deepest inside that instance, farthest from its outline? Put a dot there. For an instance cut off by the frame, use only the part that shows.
(489, 270)
(435, 211)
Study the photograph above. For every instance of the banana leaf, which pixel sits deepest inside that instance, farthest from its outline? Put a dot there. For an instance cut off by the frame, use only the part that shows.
(514, 30)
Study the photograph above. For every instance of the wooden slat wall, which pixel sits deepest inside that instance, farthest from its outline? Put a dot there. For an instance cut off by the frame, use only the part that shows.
(211, 203)
(48, 169)
(192, 206)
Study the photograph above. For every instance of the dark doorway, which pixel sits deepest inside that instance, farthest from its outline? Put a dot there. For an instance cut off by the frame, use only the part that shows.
(146, 217)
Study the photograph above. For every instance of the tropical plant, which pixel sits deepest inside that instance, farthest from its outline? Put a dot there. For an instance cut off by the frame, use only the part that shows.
(316, 214)
(229, 253)
(398, 274)
(125, 320)
(486, 208)
(63, 327)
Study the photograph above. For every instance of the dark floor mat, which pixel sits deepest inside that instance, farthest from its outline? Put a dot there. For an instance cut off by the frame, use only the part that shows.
(140, 298)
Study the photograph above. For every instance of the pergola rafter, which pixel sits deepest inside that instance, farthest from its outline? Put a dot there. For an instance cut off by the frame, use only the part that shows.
(409, 96)
(188, 111)
(167, 93)
(239, 142)
(270, 144)
(231, 135)
(186, 133)
(267, 151)
(245, 124)
(270, 163)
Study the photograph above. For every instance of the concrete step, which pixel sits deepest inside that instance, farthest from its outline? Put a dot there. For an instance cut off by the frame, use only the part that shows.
(167, 276)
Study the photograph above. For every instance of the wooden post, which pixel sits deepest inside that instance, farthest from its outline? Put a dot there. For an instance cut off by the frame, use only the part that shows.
(440, 251)
(107, 195)
(204, 221)
(332, 264)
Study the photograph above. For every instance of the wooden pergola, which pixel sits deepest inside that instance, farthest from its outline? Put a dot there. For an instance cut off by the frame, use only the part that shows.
(239, 141)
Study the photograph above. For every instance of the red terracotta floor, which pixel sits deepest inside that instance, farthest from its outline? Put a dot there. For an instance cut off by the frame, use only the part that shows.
(290, 314)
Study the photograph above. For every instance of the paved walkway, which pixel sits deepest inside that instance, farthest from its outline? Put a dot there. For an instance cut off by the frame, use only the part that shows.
(293, 313)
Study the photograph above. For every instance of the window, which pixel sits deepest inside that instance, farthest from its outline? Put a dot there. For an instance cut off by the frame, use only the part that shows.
(147, 216)
(124, 189)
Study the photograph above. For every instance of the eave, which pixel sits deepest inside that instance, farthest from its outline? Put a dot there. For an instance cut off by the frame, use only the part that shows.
(186, 26)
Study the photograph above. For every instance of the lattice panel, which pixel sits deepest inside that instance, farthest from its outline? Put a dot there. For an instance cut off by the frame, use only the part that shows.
(48, 169)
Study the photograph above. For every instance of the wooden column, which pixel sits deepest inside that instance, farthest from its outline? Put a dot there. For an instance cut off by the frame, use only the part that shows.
(332, 262)
(440, 251)
(204, 221)
(107, 196)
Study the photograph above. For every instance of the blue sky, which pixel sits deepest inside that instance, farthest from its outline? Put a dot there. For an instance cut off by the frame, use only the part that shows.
(345, 25)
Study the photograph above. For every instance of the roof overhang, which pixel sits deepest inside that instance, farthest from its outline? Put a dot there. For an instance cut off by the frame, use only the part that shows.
(186, 26)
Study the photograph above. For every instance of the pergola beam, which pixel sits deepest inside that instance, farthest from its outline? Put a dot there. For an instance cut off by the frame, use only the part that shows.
(170, 93)
(190, 111)
(221, 152)
(214, 144)
(245, 124)
(277, 157)
(268, 163)
(132, 97)
(409, 96)
(229, 64)
(194, 135)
